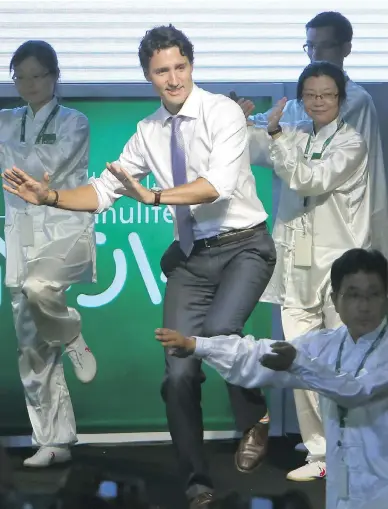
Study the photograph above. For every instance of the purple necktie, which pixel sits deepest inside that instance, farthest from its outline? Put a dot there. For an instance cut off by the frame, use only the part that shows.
(178, 164)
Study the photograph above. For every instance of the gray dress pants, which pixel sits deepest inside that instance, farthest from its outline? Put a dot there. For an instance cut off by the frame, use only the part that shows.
(212, 292)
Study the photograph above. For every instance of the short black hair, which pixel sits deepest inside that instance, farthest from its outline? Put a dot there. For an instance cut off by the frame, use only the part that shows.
(359, 260)
(42, 51)
(343, 30)
(323, 69)
(164, 37)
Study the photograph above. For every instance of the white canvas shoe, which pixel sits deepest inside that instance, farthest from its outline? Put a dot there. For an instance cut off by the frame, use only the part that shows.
(84, 362)
(47, 456)
(309, 472)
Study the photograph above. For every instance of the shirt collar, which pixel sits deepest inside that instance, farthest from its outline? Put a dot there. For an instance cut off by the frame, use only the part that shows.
(44, 112)
(328, 130)
(190, 108)
(371, 336)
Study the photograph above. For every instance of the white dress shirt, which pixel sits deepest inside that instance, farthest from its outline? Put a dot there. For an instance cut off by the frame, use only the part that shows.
(337, 213)
(358, 111)
(216, 147)
(54, 231)
(363, 444)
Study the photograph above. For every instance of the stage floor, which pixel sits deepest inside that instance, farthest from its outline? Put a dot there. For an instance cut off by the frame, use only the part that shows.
(155, 466)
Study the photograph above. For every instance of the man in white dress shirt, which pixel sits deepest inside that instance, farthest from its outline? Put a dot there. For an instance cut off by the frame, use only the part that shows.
(329, 38)
(347, 366)
(196, 145)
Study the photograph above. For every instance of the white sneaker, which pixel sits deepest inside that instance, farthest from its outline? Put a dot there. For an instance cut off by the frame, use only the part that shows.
(84, 362)
(301, 447)
(47, 456)
(309, 472)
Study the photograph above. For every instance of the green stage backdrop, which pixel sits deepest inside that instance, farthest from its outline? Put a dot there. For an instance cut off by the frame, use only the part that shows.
(122, 310)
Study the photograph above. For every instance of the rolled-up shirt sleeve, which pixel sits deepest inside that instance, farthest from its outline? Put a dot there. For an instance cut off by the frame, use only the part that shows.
(230, 149)
(132, 160)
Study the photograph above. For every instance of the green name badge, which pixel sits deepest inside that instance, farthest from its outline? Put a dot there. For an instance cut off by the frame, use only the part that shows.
(316, 155)
(49, 139)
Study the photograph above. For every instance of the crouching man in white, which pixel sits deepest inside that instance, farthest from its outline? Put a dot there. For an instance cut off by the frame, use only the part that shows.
(346, 366)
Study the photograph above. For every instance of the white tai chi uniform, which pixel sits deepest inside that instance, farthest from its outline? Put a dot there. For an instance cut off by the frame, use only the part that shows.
(338, 216)
(357, 452)
(47, 250)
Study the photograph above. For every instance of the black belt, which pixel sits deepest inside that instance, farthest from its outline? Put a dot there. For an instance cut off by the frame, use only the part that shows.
(228, 237)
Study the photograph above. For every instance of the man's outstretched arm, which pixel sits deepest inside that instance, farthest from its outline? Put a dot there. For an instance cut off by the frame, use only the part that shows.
(19, 183)
(238, 360)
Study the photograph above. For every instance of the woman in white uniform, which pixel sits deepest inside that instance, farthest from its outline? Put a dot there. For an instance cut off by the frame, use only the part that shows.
(47, 249)
(324, 210)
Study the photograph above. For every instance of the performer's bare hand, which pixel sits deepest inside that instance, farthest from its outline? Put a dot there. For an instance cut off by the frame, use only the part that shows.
(246, 105)
(284, 356)
(19, 183)
(130, 186)
(276, 114)
(180, 345)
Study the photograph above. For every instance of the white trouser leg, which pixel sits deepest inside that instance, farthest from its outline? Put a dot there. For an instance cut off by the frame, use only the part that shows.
(295, 323)
(43, 323)
(57, 324)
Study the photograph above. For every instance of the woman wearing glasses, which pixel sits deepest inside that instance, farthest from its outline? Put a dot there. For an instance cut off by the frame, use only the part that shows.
(47, 249)
(323, 212)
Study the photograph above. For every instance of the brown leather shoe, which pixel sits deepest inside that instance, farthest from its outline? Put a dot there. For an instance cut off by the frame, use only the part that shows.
(202, 500)
(252, 448)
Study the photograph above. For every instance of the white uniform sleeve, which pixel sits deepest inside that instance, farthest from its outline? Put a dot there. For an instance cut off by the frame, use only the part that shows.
(237, 360)
(362, 115)
(344, 388)
(259, 140)
(338, 164)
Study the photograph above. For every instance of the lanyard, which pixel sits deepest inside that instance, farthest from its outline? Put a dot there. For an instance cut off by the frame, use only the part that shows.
(343, 412)
(42, 132)
(318, 155)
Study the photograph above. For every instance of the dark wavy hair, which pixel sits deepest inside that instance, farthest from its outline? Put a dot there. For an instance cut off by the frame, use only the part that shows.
(164, 37)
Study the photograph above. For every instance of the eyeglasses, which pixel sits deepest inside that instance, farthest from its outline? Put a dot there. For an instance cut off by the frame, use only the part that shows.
(24, 79)
(356, 298)
(309, 47)
(327, 97)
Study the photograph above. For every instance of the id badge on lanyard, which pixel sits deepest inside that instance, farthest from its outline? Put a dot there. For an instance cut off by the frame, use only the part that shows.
(43, 138)
(26, 230)
(303, 246)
